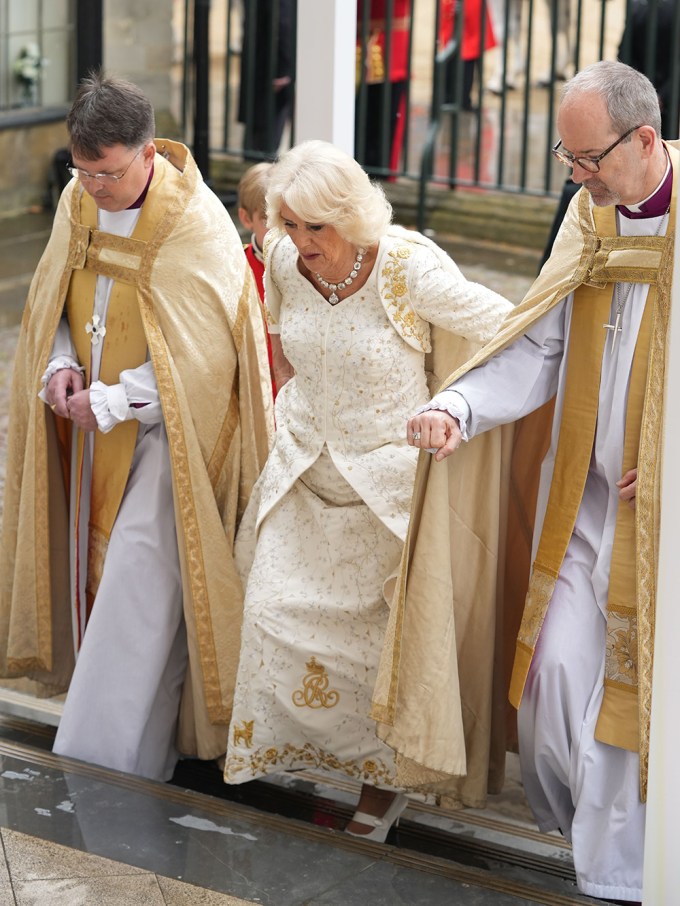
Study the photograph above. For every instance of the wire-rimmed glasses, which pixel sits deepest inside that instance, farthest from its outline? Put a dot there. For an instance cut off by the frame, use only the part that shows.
(105, 178)
(591, 164)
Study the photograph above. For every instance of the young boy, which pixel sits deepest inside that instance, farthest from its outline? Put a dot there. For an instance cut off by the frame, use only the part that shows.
(252, 189)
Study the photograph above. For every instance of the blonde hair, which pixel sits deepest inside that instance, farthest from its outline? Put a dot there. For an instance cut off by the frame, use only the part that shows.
(323, 184)
(252, 188)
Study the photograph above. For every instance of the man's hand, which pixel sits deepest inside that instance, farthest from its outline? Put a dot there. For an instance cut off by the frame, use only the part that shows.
(436, 430)
(80, 411)
(628, 487)
(60, 387)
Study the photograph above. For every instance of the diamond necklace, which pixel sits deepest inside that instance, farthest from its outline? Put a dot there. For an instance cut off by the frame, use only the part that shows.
(616, 327)
(343, 284)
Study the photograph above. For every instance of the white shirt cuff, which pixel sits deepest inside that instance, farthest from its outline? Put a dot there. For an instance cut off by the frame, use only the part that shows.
(455, 404)
(110, 405)
(58, 363)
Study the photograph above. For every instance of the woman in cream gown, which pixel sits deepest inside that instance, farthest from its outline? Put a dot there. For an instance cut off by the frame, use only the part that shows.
(350, 301)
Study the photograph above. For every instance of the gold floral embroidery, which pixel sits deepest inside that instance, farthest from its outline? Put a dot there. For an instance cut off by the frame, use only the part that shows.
(314, 685)
(395, 296)
(622, 644)
(244, 734)
(539, 594)
(272, 760)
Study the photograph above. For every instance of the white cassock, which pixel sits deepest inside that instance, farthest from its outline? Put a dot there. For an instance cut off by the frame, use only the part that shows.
(123, 701)
(587, 789)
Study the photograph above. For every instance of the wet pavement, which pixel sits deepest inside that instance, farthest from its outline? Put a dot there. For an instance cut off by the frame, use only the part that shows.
(78, 834)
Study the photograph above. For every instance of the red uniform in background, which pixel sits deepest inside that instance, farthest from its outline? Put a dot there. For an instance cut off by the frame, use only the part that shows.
(472, 28)
(379, 152)
(471, 40)
(256, 263)
(374, 61)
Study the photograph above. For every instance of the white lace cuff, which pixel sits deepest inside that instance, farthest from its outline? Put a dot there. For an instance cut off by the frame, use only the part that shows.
(455, 404)
(110, 405)
(58, 363)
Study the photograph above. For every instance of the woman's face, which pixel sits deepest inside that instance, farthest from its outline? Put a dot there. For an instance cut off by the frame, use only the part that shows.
(322, 250)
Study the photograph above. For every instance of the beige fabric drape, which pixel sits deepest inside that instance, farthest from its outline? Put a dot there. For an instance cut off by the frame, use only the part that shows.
(203, 328)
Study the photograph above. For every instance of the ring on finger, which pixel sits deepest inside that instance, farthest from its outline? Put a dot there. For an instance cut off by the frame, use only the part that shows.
(416, 435)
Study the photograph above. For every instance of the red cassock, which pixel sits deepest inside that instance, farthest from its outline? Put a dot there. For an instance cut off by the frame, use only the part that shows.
(257, 267)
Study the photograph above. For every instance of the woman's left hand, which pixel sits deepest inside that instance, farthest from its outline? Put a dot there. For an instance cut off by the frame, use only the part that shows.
(627, 486)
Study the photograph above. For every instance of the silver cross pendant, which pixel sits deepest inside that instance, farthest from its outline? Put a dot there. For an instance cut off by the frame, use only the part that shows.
(615, 328)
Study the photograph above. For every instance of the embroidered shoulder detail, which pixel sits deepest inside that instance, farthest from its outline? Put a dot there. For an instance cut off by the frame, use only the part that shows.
(394, 285)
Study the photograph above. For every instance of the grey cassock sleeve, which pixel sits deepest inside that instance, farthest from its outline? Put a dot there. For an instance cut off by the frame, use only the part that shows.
(514, 382)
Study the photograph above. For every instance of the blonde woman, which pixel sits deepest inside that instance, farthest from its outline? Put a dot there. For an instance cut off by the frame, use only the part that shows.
(350, 301)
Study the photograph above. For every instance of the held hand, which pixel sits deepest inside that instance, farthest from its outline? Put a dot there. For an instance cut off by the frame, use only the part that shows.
(436, 430)
(627, 486)
(80, 411)
(60, 387)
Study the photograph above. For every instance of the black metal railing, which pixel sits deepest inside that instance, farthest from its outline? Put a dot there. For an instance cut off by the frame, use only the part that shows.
(415, 119)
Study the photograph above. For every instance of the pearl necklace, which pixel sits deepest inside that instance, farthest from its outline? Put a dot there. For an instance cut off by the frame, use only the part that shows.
(343, 284)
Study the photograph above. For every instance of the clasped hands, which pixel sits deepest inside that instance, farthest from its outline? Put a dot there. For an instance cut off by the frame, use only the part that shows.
(434, 430)
(67, 397)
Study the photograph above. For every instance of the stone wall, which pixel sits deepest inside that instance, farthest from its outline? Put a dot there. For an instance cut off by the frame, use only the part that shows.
(26, 151)
(138, 45)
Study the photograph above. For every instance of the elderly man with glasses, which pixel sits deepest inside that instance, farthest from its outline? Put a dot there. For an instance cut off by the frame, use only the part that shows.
(581, 362)
(139, 422)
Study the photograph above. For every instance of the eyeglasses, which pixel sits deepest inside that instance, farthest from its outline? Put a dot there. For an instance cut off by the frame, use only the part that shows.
(106, 178)
(591, 164)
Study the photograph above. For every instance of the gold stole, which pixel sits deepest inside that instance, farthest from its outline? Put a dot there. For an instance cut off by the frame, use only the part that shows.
(618, 719)
(124, 346)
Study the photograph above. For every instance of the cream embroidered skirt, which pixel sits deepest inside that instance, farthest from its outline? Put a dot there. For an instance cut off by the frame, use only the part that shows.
(314, 622)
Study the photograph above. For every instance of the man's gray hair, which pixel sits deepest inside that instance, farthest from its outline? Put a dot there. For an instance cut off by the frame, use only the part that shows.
(108, 112)
(629, 96)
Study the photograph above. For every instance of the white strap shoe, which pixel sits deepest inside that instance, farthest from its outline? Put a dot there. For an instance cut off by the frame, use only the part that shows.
(381, 826)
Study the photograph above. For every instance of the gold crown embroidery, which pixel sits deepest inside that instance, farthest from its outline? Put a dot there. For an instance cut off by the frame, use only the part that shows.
(314, 685)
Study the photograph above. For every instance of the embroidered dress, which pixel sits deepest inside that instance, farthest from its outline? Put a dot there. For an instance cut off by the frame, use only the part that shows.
(325, 528)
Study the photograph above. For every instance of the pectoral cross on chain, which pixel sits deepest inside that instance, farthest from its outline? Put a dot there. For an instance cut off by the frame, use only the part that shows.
(615, 328)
